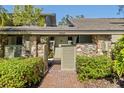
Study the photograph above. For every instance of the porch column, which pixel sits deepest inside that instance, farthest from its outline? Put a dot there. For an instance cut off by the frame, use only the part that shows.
(74, 39)
(26, 46)
(3, 42)
(1, 51)
(42, 50)
(33, 44)
(104, 44)
(42, 46)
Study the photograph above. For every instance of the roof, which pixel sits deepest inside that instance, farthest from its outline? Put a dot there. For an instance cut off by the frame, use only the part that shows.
(98, 23)
(43, 14)
(35, 30)
(48, 14)
(81, 26)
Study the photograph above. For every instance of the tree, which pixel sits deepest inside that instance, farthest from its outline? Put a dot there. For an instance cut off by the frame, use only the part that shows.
(64, 20)
(120, 9)
(4, 17)
(79, 16)
(27, 15)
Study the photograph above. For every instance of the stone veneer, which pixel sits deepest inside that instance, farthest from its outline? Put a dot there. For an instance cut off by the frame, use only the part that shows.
(101, 45)
(43, 52)
(33, 45)
(26, 46)
(104, 44)
(1, 52)
(86, 49)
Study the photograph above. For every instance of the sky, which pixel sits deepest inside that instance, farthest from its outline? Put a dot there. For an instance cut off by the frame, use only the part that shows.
(89, 11)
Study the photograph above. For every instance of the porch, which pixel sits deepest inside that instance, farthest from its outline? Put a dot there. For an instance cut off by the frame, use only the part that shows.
(32, 45)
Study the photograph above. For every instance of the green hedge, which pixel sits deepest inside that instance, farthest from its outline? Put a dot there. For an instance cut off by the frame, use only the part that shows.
(118, 56)
(20, 72)
(93, 67)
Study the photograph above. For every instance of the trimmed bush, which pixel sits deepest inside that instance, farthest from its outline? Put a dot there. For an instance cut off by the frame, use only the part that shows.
(118, 53)
(20, 72)
(93, 67)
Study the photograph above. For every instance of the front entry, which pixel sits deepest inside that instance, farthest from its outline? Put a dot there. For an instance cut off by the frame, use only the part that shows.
(65, 51)
(61, 40)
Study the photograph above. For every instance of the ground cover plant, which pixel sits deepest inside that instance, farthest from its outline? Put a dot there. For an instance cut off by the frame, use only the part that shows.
(20, 72)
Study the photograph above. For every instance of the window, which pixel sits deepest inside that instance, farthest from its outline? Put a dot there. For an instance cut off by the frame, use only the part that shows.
(84, 39)
(19, 40)
(51, 38)
(70, 38)
(38, 39)
(14, 40)
(77, 40)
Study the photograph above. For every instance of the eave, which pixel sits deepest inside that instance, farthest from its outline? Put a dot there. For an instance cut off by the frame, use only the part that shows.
(67, 32)
(33, 30)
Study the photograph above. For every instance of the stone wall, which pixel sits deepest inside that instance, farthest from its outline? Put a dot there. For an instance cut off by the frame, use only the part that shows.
(86, 49)
(101, 45)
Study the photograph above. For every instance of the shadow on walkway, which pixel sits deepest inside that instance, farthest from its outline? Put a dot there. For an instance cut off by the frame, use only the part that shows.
(51, 63)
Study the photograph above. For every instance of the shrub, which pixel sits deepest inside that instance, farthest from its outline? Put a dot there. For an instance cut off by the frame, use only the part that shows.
(93, 67)
(20, 72)
(118, 52)
(51, 54)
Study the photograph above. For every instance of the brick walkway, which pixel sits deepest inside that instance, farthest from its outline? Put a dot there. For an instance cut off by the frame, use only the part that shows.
(59, 79)
(56, 78)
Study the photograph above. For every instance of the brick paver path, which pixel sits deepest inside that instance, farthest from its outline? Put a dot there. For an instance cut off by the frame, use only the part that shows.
(59, 79)
(56, 78)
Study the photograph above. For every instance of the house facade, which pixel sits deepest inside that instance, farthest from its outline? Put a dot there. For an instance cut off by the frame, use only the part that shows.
(89, 36)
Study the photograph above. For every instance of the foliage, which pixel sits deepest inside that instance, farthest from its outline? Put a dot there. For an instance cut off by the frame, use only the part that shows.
(120, 9)
(51, 54)
(118, 52)
(64, 20)
(27, 15)
(93, 67)
(20, 72)
(4, 17)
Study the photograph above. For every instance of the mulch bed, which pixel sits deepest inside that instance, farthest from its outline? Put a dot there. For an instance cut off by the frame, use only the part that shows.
(100, 83)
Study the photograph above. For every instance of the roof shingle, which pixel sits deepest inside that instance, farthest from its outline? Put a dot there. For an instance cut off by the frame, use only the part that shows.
(98, 23)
